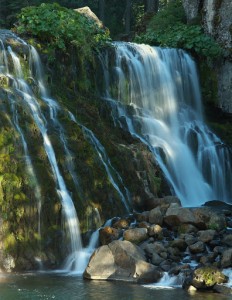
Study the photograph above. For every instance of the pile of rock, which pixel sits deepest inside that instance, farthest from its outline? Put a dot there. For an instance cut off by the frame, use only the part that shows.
(168, 238)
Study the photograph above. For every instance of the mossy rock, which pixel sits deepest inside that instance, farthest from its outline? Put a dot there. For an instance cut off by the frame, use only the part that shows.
(207, 277)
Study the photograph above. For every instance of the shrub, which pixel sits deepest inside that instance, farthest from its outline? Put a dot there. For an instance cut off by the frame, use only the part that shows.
(169, 29)
(58, 27)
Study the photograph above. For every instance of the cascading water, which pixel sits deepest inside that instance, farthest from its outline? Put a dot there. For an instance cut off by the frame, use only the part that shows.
(54, 107)
(154, 94)
(111, 172)
(30, 102)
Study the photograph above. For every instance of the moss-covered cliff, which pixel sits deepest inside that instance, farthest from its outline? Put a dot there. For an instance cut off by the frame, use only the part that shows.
(32, 228)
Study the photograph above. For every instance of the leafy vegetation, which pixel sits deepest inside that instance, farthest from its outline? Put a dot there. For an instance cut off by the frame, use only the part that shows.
(59, 27)
(168, 28)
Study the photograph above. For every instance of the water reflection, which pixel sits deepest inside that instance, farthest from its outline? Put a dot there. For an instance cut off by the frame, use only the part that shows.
(47, 287)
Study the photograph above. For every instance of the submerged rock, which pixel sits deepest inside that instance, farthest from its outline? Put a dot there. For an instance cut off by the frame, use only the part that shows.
(121, 260)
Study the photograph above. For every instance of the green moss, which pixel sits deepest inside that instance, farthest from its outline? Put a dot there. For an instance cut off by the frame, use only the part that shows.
(209, 84)
(209, 275)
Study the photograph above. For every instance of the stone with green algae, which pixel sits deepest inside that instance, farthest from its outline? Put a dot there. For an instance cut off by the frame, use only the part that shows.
(207, 277)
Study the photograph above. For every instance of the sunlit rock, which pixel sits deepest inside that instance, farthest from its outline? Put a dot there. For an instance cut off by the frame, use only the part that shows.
(136, 235)
(120, 260)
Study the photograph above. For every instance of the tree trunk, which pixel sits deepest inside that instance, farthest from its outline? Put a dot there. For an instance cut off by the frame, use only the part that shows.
(152, 6)
(128, 16)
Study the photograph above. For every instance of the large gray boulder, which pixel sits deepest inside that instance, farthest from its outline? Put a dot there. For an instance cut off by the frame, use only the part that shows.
(176, 215)
(121, 260)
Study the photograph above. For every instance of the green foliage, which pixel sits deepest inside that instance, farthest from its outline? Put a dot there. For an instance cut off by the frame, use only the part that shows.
(168, 29)
(59, 27)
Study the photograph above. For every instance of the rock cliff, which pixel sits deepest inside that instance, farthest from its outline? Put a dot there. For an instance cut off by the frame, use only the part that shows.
(215, 16)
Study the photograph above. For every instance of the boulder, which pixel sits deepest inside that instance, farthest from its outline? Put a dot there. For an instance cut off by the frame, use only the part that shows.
(155, 216)
(144, 216)
(120, 260)
(164, 202)
(144, 224)
(190, 239)
(87, 12)
(179, 244)
(187, 228)
(209, 218)
(206, 235)
(155, 230)
(223, 289)
(176, 215)
(107, 235)
(156, 259)
(226, 260)
(228, 240)
(136, 235)
(121, 224)
(207, 277)
(154, 248)
(198, 247)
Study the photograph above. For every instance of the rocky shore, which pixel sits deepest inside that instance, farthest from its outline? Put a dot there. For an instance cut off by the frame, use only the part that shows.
(194, 244)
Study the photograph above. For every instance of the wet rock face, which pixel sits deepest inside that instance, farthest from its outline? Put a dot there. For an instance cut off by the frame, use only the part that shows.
(225, 86)
(216, 19)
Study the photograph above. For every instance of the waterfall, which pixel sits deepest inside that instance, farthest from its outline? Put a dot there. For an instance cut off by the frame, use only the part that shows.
(30, 102)
(154, 94)
(36, 70)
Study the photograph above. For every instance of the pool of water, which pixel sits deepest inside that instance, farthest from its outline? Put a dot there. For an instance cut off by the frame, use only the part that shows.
(60, 287)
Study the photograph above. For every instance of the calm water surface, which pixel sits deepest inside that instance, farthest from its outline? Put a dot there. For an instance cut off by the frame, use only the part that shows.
(41, 286)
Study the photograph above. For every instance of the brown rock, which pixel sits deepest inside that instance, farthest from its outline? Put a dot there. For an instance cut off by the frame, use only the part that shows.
(226, 260)
(206, 235)
(176, 215)
(166, 201)
(144, 225)
(136, 235)
(108, 234)
(155, 230)
(180, 244)
(155, 216)
(190, 239)
(144, 216)
(228, 240)
(121, 224)
(198, 247)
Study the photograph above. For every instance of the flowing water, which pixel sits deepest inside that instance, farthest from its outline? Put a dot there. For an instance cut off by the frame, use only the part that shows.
(154, 94)
(113, 175)
(39, 286)
(29, 101)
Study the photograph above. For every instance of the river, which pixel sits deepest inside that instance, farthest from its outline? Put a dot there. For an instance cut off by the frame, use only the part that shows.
(60, 287)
